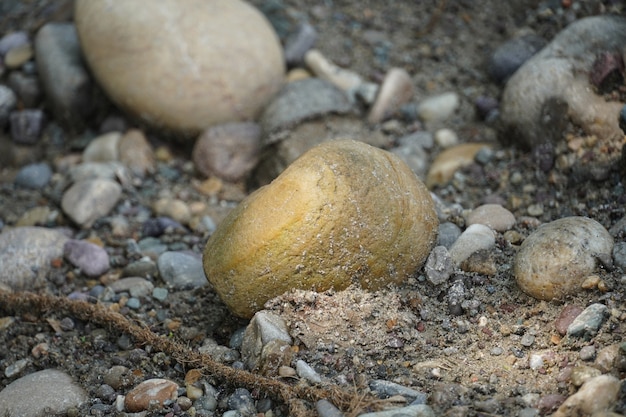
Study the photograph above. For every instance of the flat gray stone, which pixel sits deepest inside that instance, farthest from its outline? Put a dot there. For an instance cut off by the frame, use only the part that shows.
(41, 394)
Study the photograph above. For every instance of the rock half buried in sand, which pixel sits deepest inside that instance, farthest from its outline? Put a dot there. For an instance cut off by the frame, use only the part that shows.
(183, 65)
(555, 259)
(554, 87)
(343, 213)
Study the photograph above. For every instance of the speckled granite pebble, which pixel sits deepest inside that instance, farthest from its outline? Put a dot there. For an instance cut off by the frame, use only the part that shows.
(439, 265)
(241, 400)
(54, 390)
(587, 323)
(25, 256)
(557, 257)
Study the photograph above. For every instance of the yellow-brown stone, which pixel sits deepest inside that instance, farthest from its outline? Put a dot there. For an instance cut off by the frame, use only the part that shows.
(344, 213)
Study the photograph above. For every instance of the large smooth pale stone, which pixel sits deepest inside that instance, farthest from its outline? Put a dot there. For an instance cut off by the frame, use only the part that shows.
(183, 65)
(343, 213)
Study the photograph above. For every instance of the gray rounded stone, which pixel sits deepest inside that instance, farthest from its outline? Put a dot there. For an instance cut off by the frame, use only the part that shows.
(25, 256)
(54, 391)
(89, 257)
(299, 101)
(181, 269)
(34, 176)
(554, 85)
(88, 200)
(512, 54)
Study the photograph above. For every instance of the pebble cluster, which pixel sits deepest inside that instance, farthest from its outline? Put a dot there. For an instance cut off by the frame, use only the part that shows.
(123, 222)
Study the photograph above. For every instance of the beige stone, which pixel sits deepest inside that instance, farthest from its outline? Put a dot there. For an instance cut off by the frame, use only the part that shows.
(136, 153)
(396, 90)
(344, 213)
(182, 65)
(557, 257)
(451, 160)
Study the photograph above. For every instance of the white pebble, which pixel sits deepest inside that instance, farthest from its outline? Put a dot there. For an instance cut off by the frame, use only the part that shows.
(446, 138)
(104, 148)
(438, 108)
(536, 361)
(476, 237)
(323, 68)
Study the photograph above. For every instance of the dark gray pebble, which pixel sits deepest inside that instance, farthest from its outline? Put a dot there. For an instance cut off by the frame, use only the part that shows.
(298, 101)
(26, 87)
(151, 246)
(144, 268)
(619, 255)
(26, 126)
(241, 400)
(34, 176)
(487, 107)
(157, 227)
(105, 392)
(448, 234)
(512, 54)
(297, 44)
(8, 100)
